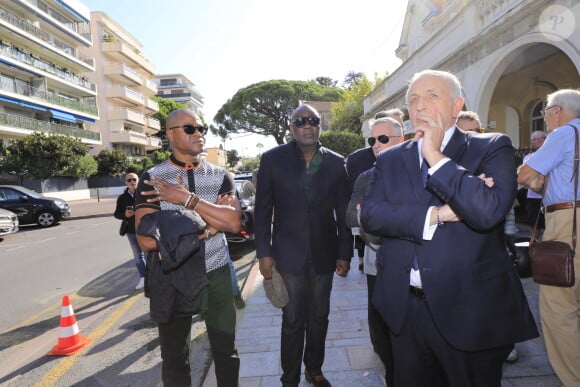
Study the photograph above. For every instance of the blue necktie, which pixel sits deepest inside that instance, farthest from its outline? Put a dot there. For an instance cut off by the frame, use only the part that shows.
(424, 172)
(424, 176)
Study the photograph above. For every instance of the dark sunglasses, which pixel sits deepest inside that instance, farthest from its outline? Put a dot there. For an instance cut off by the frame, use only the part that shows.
(383, 139)
(302, 121)
(130, 180)
(190, 129)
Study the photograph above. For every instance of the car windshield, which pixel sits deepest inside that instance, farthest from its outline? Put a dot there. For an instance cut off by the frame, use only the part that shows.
(29, 192)
(245, 189)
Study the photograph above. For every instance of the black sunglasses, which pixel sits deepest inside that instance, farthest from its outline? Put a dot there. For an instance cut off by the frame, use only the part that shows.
(383, 139)
(302, 121)
(130, 180)
(190, 129)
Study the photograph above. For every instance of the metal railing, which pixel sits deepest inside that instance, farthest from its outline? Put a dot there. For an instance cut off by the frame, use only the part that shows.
(51, 68)
(22, 122)
(9, 85)
(27, 26)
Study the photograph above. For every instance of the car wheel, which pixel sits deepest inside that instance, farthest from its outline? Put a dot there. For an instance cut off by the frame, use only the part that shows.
(46, 219)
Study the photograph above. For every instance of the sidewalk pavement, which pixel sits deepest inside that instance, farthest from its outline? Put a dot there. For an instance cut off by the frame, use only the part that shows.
(91, 208)
(350, 360)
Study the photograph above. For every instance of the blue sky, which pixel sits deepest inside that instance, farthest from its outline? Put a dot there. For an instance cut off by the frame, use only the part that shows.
(223, 46)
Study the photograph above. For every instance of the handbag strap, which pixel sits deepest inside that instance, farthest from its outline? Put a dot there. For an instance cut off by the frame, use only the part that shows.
(575, 177)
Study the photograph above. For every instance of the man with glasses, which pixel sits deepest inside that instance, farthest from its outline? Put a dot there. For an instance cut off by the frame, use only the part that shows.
(554, 163)
(364, 158)
(125, 211)
(302, 189)
(189, 186)
(385, 133)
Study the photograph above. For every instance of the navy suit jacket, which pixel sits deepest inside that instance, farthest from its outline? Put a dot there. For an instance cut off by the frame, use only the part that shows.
(302, 229)
(473, 292)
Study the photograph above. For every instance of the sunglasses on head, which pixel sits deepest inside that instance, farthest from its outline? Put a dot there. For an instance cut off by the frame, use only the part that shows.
(383, 139)
(190, 129)
(302, 121)
(130, 180)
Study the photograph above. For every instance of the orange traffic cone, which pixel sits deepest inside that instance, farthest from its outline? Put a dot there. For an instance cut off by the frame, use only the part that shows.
(70, 339)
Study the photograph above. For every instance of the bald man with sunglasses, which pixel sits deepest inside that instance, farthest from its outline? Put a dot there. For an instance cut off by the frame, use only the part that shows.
(188, 186)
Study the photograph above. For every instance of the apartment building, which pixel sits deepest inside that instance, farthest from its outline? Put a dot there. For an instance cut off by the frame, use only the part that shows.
(124, 78)
(44, 76)
(178, 88)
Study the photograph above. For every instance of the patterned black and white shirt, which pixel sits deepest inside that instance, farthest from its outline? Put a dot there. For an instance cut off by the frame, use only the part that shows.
(208, 181)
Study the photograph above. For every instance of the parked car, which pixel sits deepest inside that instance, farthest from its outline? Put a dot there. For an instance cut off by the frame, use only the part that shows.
(32, 207)
(247, 195)
(8, 222)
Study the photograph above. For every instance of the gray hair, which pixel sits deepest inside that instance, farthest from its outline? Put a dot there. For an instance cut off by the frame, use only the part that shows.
(390, 113)
(540, 132)
(396, 125)
(469, 115)
(450, 79)
(567, 99)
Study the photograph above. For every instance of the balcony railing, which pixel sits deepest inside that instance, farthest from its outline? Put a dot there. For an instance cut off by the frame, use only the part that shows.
(80, 28)
(21, 122)
(34, 93)
(37, 32)
(34, 61)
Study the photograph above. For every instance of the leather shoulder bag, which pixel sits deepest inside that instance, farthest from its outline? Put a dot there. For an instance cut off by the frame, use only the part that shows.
(553, 261)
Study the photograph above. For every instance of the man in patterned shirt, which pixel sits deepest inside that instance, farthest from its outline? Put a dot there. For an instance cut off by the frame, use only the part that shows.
(188, 181)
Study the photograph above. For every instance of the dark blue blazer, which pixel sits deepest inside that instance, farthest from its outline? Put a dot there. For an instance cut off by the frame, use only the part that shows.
(472, 290)
(301, 228)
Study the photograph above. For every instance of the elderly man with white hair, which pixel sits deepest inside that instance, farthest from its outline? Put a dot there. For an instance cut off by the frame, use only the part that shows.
(559, 307)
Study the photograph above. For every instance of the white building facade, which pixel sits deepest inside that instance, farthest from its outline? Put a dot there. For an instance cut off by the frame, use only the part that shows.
(508, 55)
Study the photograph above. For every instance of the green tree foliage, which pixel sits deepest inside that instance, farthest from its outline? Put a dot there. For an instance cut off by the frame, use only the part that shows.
(250, 164)
(264, 108)
(233, 157)
(325, 81)
(84, 166)
(166, 106)
(347, 114)
(112, 163)
(351, 79)
(343, 142)
(44, 155)
(157, 157)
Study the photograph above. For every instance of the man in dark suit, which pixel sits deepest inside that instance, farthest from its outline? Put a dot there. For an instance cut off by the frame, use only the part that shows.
(445, 285)
(303, 188)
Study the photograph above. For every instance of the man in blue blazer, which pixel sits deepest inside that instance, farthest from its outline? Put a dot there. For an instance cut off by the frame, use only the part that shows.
(302, 188)
(445, 285)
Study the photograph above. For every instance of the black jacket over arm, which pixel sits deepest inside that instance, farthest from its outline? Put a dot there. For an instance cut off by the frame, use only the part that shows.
(177, 284)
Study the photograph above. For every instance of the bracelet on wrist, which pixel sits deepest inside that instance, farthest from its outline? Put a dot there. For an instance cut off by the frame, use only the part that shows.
(439, 222)
(188, 201)
(195, 202)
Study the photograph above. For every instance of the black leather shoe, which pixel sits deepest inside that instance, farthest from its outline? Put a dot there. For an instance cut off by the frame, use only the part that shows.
(318, 380)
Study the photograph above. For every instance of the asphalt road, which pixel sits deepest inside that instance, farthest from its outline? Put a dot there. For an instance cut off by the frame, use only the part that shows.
(86, 259)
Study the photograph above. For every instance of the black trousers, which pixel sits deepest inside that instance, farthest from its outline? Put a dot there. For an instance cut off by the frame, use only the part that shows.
(220, 319)
(379, 333)
(423, 358)
(305, 317)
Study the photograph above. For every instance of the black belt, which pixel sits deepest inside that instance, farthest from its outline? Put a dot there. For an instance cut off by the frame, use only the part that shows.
(417, 292)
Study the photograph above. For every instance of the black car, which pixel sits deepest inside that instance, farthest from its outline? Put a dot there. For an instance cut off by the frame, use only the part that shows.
(246, 194)
(32, 207)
